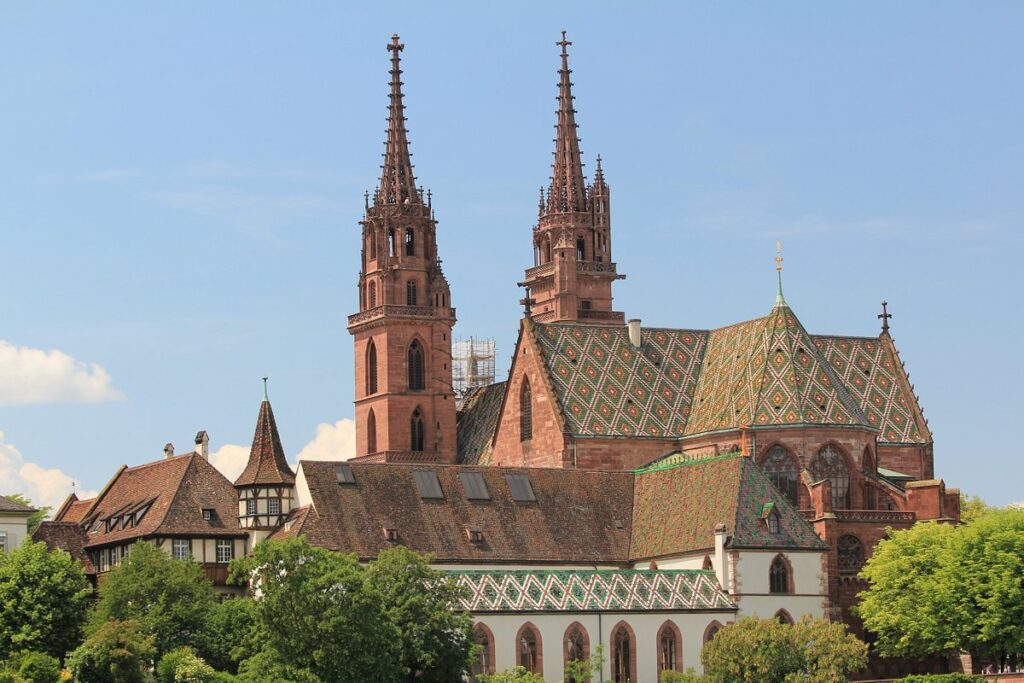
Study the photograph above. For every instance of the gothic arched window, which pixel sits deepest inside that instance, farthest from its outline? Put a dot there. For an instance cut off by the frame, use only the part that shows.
(410, 242)
(851, 553)
(528, 648)
(525, 412)
(416, 431)
(784, 472)
(410, 293)
(623, 664)
(547, 250)
(711, 631)
(417, 375)
(782, 616)
(371, 295)
(778, 576)
(669, 648)
(576, 648)
(830, 464)
(371, 432)
(371, 368)
(707, 563)
(484, 663)
(391, 242)
(581, 248)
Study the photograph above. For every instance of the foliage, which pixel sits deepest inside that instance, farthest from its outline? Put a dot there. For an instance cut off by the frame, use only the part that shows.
(193, 669)
(317, 613)
(436, 636)
(37, 667)
(583, 670)
(687, 676)
(942, 678)
(937, 588)
(168, 664)
(43, 595)
(36, 517)
(170, 598)
(265, 666)
(228, 634)
(117, 652)
(756, 650)
(517, 674)
(972, 507)
(8, 676)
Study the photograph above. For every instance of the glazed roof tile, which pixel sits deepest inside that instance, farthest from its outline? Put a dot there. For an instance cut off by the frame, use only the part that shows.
(477, 421)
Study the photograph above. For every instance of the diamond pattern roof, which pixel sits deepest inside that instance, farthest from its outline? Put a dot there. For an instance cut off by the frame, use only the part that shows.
(584, 591)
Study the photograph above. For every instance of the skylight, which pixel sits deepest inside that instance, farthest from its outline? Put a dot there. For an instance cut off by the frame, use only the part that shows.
(473, 483)
(427, 484)
(344, 474)
(519, 485)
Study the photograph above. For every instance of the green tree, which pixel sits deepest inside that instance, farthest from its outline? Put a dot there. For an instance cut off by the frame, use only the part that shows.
(583, 670)
(936, 588)
(756, 650)
(169, 598)
(37, 667)
(517, 674)
(43, 597)
(36, 517)
(436, 634)
(317, 613)
(972, 507)
(266, 666)
(117, 652)
(229, 634)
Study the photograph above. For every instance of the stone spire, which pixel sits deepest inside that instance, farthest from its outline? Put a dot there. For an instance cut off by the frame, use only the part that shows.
(267, 463)
(568, 191)
(397, 183)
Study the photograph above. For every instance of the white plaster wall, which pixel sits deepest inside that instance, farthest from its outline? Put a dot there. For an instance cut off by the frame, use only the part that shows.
(692, 561)
(303, 496)
(552, 628)
(752, 589)
(16, 528)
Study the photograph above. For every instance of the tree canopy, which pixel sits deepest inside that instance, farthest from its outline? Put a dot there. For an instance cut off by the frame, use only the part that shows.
(117, 652)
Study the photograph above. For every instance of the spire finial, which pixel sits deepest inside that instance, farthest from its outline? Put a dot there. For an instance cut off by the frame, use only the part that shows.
(397, 183)
(568, 191)
(884, 316)
(778, 269)
(266, 396)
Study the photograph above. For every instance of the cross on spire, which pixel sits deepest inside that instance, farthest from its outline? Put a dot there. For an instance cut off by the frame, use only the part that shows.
(884, 317)
(778, 269)
(397, 183)
(567, 192)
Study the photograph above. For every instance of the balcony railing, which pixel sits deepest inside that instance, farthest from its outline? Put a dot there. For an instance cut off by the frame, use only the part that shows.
(391, 311)
(540, 271)
(875, 516)
(604, 316)
(216, 572)
(604, 267)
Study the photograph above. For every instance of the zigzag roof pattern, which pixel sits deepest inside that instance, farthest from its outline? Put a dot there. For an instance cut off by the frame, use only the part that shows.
(590, 591)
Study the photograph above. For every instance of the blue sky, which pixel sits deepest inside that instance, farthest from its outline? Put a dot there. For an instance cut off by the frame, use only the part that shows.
(180, 185)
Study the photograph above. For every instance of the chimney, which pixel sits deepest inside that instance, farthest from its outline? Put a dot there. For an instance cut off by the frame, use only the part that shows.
(721, 559)
(634, 332)
(169, 450)
(203, 445)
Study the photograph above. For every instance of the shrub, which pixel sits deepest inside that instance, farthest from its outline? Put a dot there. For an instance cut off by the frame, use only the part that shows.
(168, 665)
(941, 678)
(117, 653)
(687, 676)
(38, 667)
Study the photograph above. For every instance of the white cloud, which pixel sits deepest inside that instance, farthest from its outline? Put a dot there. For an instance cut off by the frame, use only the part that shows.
(332, 442)
(41, 486)
(1017, 506)
(230, 459)
(37, 376)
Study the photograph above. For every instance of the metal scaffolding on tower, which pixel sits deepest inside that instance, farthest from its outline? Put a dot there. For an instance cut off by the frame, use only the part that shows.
(472, 365)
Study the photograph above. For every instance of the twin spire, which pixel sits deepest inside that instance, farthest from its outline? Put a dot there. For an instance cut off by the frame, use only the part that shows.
(568, 189)
(397, 183)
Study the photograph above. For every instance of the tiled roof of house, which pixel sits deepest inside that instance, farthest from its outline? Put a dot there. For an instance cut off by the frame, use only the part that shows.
(586, 591)
(73, 509)
(679, 502)
(477, 421)
(872, 371)
(267, 463)
(13, 506)
(67, 536)
(164, 498)
(607, 387)
(578, 516)
(768, 372)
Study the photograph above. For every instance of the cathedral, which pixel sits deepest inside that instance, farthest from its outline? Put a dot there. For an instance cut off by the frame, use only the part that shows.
(631, 487)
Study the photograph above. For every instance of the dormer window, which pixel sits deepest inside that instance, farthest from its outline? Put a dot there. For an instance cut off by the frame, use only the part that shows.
(476, 537)
(771, 518)
(390, 535)
(207, 514)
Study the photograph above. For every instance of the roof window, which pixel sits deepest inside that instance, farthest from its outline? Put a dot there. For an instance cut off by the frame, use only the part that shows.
(207, 514)
(427, 484)
(390, 535)
(519, 485)
(476, 537)
(473, 483)
(344, 474)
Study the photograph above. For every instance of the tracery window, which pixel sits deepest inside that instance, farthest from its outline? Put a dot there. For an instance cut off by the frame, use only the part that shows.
(484, 663)
(851, 553)
(371, 368)
(783, 471)
(711, 631)
(529, 649)
(371, 296)
(410, 242)
(417, 378)
(778, 576)
(371, 432)
(416, 431)
(669, 648)
(830, 464)
(622, 655)
(575, 649)
(410, 293)
(581, 247)
(525, 412)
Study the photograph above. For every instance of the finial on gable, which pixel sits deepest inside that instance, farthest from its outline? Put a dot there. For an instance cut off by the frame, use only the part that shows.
(778, 269)
(266, 396)
(884, 317)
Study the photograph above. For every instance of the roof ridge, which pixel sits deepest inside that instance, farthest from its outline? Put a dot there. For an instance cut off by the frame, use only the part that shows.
(684, 462)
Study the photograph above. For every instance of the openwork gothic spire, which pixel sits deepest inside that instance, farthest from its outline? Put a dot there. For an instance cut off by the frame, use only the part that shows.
(567, 192)
(397, 183)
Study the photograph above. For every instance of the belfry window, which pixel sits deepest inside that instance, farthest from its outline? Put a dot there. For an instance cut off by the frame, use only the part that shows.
(783, 471)
(417, 375)
(416, 431)
(371, 295)
(371, 432)
(371, 368)
(410, 242)
(778, 576)
(525, 412)
(851, 553)
(830, 464)
(410, 293)
(581, 249)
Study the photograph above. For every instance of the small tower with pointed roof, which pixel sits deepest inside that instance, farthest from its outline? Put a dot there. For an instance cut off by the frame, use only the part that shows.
(405, 407)
(573, 272)
(266, 487)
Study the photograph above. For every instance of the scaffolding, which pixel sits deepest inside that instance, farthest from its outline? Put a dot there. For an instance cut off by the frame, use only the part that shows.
(472, 365)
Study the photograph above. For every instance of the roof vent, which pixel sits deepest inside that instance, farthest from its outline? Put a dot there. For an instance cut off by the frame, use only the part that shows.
(634, 332)
(169, 450)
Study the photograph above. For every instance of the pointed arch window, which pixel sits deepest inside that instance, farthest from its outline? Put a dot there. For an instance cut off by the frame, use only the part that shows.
(577, 648)
(371, 368)
(371, 432)
(711, 631)
(851, 554)
(371, 295)
(528, 649)
(707, 563)
(410, 293)
(547, 250)
(781, 467)
(669, 648)
(410, 242)
(623, 655)
(581, 249)
(830, 464)
(783, 617)
(373, 246)
(417, 374)
(779, 576)
(416, 431)
(484, 663)
(391, 241)
(525, 412)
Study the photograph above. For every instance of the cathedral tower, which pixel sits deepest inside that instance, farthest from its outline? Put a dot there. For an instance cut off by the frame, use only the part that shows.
(572, 275)
(405, 409)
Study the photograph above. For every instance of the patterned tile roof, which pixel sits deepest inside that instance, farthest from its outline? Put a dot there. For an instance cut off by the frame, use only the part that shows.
(679, 502)
(267, 463)
(768, 372)
(477, 421)
(585, 591)
(607, 387)
(871, 370)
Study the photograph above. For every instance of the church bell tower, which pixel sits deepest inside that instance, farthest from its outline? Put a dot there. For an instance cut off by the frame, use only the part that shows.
(405, 408)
